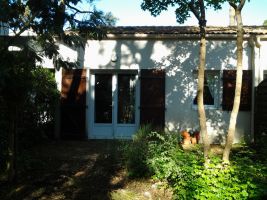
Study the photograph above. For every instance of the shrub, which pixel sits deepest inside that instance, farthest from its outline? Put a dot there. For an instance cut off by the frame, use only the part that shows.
(39, 110)
(160, 155)
(34, 93)
(136, 153)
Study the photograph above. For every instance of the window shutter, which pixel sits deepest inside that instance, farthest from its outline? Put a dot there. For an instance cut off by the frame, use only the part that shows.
(229, 77)
(73, 104)
(152, 99)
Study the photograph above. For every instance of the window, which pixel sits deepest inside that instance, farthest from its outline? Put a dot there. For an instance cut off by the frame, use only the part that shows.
(211, 88)
(264, 74)
(229, 77)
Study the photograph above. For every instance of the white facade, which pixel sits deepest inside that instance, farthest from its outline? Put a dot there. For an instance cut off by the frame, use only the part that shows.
(179, 58)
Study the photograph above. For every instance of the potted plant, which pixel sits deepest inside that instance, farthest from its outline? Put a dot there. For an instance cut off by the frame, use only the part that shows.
(186, 137)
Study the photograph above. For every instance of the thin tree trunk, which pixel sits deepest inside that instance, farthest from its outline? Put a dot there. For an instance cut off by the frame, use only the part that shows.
(11, 162)
(238, 86)
(201, 74)
(201, 16)
(200, 94)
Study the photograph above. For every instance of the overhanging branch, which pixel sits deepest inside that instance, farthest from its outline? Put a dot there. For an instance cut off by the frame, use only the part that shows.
(241, 5)
(194, 10)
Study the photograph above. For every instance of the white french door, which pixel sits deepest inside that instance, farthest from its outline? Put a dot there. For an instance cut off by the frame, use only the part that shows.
(114, 103)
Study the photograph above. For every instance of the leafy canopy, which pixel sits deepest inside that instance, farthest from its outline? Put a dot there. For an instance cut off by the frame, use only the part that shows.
(183, 7)
(50, 19)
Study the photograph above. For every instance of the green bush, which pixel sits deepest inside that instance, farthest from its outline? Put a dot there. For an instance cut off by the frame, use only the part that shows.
(3, 136)
(136, 153)
(35, 95)
(161, 156)
(39, 110)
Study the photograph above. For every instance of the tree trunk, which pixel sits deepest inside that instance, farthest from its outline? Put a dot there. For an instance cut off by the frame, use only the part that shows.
(238, 86)
(12, 140)
(200, 92)
(201, 16)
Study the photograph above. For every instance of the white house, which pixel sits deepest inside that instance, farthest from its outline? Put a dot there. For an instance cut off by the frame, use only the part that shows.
(143, 75)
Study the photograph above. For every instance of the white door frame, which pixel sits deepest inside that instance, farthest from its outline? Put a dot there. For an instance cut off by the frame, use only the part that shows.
(113, 130)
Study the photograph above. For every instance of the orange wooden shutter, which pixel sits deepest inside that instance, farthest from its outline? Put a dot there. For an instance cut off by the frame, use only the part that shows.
(73, 104)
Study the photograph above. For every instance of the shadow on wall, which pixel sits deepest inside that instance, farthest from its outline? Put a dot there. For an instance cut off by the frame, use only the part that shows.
(181, 87)
(180, 61)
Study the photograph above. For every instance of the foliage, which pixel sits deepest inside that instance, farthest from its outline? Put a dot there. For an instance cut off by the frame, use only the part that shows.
(183, 7)
(185, 173)
(3, 136)
(47, 19)
(47, 23)
(37, 96)
(39, 110)
(265, 23)
(135, 153)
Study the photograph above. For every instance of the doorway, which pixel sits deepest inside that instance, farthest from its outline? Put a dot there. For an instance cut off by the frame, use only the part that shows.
(114, 104)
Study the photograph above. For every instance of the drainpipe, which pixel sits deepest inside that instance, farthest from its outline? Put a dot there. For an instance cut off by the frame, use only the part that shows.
(255, 45)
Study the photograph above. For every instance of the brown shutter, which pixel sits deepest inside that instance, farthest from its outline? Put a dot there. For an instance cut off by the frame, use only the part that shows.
(229, 77)
(73, 104)
(152, 100)
(260, 115)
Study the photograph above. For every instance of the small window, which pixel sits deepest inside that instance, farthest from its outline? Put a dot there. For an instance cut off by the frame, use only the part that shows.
(211, 86)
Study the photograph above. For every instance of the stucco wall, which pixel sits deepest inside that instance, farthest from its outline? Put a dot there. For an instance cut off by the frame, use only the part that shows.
(179, 59)
(263, 54)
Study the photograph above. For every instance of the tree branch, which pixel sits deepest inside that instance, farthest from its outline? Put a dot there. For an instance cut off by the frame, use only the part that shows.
(77, 10)
(24, 28)
(194, 10)
(241, 5)
(83, 12)
(233, 5)
(202, 13)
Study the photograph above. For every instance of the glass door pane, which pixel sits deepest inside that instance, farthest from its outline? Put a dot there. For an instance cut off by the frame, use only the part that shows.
(103, 98)
(126, 99)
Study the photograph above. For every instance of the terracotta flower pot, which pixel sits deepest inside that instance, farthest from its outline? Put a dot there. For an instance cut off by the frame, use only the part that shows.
(194, 140)
(187, 141)
(186, 137)
(185, 134)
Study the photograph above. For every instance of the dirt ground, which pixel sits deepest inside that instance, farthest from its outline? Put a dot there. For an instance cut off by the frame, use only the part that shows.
(78, 170)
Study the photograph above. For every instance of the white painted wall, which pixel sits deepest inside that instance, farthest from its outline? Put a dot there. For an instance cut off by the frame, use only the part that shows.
(179, 59)
(263, 55)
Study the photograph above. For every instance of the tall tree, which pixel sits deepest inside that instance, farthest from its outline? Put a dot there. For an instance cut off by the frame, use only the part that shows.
(183, 10)
(239, 67)
(48, 22)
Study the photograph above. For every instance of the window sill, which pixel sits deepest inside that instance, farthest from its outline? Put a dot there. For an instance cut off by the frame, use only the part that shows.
(207, 107)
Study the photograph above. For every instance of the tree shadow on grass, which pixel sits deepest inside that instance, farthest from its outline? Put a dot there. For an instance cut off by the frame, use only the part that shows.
(70, 170)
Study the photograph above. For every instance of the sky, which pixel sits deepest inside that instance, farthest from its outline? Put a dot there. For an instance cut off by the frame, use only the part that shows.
(129, 13)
